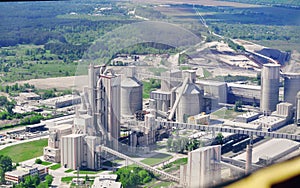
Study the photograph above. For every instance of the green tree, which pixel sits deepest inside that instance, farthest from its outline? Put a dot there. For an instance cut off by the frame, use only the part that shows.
(42, 185)
(2, 179)
(5, 163)
(219, 138)
(238, 106)
(86, 178)
(38, 161)
(49, 179)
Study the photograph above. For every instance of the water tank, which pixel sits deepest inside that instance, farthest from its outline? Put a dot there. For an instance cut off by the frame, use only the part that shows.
(131, 96)
(291, 87)
(191, 102)
(269, 88)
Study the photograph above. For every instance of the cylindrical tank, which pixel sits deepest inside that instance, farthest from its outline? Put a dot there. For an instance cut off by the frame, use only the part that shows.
(191, 102)
(131, 96)
(298, 109)
(269, 88)
(291, 87)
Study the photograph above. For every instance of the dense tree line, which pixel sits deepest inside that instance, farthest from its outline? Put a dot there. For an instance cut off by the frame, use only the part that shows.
(17, 88)
(5, 165)
(182, 144)
(35, 182)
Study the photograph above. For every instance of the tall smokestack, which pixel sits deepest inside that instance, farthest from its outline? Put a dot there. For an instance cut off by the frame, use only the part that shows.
(248, 159)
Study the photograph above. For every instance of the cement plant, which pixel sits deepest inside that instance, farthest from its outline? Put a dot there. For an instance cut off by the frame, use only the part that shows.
(125, 94)
(114, 120)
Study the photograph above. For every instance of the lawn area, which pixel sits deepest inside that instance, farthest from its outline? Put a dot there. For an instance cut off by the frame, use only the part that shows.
(163, 184)
(68, 179)
(88, 172)
(156, 159)
(206, 73)
(45, 163)
(55, 167)
(226, 113)
(68, 171)
(25, 151)
(175, 165)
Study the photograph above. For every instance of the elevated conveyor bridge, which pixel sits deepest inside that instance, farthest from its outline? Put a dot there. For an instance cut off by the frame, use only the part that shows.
(145, 166)
(220, 128)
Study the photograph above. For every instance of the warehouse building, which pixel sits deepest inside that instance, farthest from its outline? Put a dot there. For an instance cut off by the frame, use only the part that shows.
(248, 94)
(267, 152)
(62, 101)
(18, 175)
(247, 117)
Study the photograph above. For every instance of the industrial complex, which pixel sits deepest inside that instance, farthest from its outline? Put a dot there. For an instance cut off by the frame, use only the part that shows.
(113, 119)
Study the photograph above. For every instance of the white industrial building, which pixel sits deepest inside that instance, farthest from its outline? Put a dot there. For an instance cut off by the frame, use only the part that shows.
(247, 117)
(242, 125)
(72, 150)
(52, 152)
(106, 181)
(62, 101)
(203, 168)
(269, 151)
(277, 119)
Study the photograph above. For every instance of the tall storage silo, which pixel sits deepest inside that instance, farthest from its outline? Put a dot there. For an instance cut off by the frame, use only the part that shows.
(269, 88)
(191, 101)
(131, 93)
(291, 87)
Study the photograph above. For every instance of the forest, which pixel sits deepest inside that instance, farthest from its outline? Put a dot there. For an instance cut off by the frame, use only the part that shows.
(49, 39)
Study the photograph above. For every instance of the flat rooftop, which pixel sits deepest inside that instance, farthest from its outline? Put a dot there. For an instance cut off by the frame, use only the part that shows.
(15, 173)
(269, 120)
(61, 99)
(248, 114)
(61, 127)
(244, 86)
(271, 149)
(106, 181)
(210, 82)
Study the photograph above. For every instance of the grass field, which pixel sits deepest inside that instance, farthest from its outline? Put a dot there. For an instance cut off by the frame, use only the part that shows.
(156, 159)
(226, 113)
(68, 171)
(87, 172)
(55, 167)
(25, 151)
(45, 163)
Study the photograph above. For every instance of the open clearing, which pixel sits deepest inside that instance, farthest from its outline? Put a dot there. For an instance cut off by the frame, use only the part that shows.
(69, 82)
(197, 2)
(25, 151)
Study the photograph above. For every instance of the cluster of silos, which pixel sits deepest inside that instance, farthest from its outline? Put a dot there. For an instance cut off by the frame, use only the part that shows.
(291, 87)
(269, 88)
(190, 98)
(131, 93)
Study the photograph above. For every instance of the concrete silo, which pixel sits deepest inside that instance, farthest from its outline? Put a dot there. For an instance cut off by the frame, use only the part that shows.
(269, 88)
(190, 98)
(291, 87)
(298, 109)
(131, 93)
